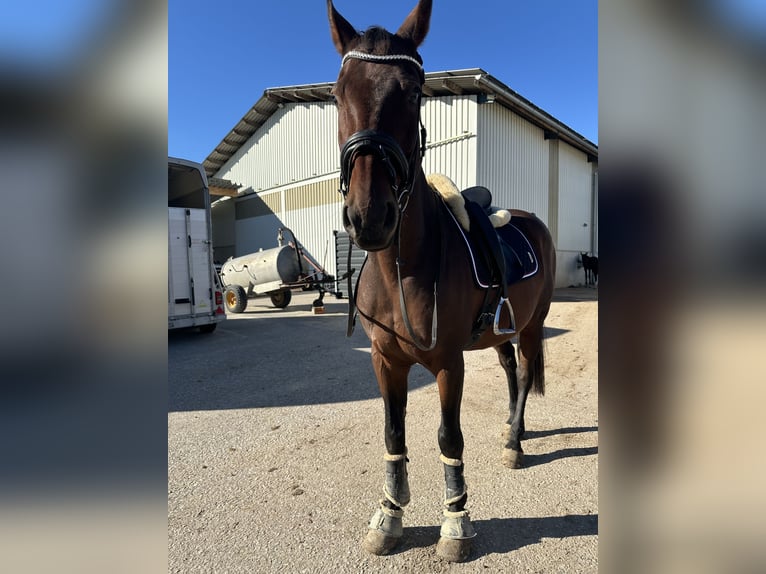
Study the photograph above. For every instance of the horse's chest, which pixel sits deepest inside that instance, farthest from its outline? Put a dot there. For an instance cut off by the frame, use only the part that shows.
(377, 302)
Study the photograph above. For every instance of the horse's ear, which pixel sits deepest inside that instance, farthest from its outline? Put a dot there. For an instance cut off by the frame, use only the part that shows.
(342, 32)
(415, 27)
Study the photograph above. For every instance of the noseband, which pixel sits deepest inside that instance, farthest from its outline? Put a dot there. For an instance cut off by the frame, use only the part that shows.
(401, 171)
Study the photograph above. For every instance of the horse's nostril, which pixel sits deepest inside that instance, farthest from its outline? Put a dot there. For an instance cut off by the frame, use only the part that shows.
(351, 219)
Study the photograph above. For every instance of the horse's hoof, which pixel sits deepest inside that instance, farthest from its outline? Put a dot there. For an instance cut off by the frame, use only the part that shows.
(379, 543)
(453, 550)
(512, 458)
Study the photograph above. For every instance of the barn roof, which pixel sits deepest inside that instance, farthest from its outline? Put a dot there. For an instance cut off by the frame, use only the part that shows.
(473, 81)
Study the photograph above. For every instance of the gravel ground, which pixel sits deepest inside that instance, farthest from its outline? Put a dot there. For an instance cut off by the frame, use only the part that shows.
(275, 445)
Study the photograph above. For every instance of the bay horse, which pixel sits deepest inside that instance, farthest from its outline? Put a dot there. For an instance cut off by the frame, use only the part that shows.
(390, 211)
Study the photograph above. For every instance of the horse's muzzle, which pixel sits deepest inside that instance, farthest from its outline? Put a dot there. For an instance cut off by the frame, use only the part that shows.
(372, 230)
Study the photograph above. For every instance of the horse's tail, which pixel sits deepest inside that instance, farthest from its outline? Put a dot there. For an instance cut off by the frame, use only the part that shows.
(537, 369)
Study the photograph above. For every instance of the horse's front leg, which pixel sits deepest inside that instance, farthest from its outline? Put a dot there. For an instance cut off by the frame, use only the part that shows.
(456, 531)
(385, 528)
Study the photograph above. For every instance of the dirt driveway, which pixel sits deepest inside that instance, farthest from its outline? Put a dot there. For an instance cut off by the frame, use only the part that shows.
(275, 445)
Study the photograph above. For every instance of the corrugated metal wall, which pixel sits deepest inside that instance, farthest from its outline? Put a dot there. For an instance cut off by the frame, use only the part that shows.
(451, 141)
(311, 210)
(313, 213)
(575, 208)
(224, 234)
(299, 142)
(594, 247)
(256, 233)
(294, 159)
(512, 160)
(575, 228)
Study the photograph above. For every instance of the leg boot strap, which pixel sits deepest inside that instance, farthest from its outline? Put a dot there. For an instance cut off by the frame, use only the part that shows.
(397, 487)
(451, 461)
(394, 457)
(454, 483)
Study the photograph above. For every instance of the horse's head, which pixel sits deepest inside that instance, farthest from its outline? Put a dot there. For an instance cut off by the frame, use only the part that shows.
(378, 94)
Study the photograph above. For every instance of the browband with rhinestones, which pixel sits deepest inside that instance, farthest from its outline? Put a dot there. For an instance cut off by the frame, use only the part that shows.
(379, 58)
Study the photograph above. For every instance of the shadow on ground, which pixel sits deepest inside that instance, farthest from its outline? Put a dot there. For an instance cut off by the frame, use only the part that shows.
(267, 357)
(575, 294)
(550, 432)
(531, 460)
(504, 535)
(273, 359)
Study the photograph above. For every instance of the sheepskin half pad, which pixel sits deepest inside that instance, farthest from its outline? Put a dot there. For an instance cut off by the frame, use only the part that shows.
(445, 187)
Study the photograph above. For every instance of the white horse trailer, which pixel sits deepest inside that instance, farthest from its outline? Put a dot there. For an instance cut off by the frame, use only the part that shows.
(195, 296)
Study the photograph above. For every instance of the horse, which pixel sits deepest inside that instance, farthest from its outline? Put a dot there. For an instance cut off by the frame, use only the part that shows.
(590, 264)
(407, 293)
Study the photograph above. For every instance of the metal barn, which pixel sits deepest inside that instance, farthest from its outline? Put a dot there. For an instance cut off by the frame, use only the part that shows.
(284, 156)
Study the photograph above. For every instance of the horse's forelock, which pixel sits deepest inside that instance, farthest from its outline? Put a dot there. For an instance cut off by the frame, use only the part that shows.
(379, 41)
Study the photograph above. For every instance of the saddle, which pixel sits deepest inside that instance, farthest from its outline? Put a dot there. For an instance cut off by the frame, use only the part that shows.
(502, 255)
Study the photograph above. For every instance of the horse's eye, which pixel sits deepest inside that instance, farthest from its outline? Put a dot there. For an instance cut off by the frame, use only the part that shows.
(414, 96)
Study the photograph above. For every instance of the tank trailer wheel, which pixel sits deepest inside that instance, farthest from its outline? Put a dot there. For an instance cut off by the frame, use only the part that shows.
(281, 299)
(235, 298)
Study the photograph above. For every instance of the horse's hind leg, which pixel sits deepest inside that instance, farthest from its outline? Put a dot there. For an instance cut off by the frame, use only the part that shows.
(456, 531)
(507, 355)
(529, 375)
(385, 528)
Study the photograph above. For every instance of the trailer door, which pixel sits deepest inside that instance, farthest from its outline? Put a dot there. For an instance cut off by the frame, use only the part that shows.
(189, 287)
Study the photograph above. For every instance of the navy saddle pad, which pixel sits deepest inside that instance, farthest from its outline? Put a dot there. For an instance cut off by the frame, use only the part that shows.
(520, 259)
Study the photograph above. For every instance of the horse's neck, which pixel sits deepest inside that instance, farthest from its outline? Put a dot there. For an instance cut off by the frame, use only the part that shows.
(418, 241)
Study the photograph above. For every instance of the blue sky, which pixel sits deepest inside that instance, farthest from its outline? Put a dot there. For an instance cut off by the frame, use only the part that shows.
(223, 55)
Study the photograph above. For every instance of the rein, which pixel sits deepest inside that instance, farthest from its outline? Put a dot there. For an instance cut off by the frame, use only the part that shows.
(352, 292)
(405, 316)
(401, 173)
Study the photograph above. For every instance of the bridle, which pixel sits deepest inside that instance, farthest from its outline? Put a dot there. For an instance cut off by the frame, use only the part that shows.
(400, 169)
(401, 174)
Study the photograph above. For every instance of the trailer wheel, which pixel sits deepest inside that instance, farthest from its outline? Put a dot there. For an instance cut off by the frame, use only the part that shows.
(236, 298)
(281, 299)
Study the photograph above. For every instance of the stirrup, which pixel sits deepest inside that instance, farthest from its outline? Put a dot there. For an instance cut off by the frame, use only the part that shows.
(496, 326)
